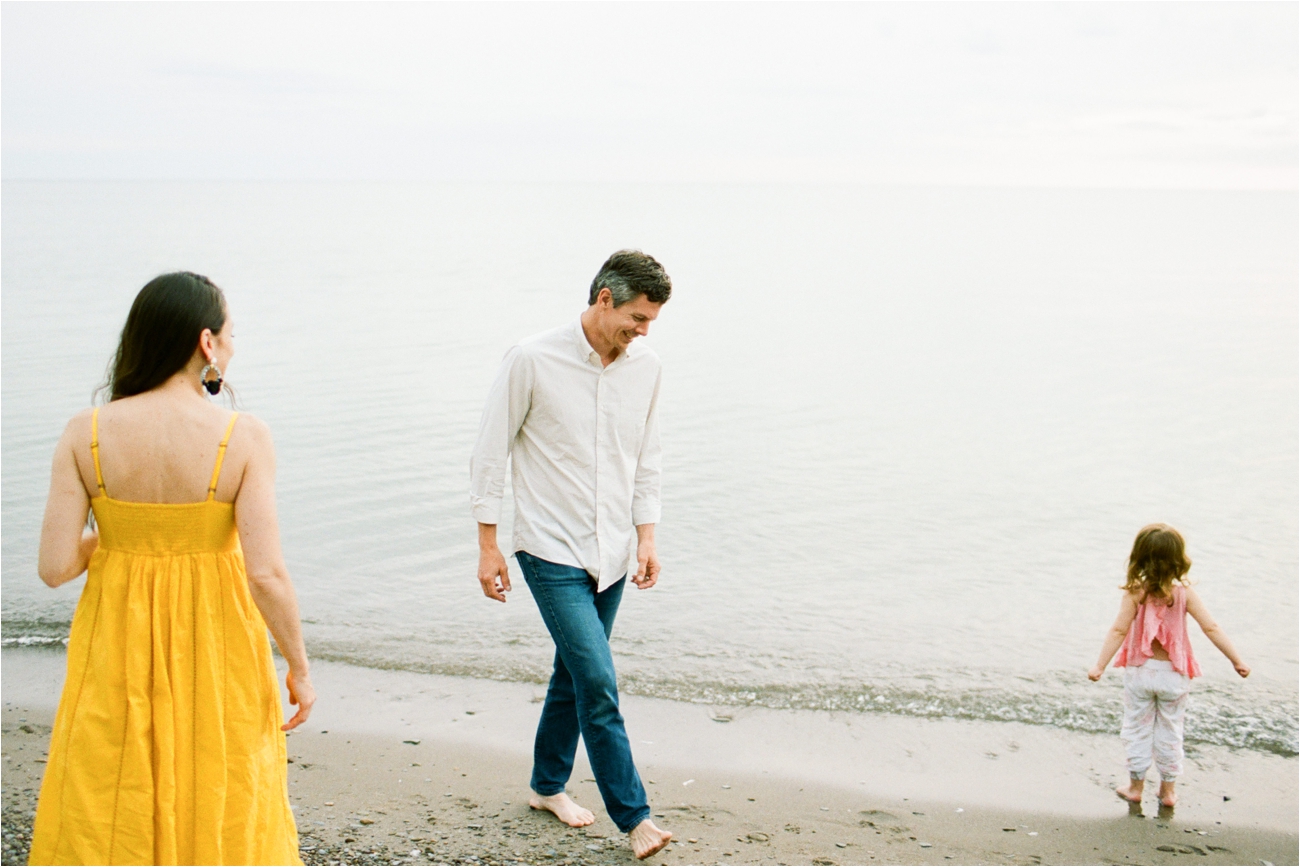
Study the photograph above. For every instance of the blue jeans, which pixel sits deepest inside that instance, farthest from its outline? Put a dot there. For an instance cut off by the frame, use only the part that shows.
(583, 695)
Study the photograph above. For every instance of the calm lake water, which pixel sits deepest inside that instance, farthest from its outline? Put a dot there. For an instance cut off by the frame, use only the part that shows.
(909, 433)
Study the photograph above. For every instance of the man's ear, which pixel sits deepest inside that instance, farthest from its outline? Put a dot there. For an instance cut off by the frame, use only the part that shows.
(604, 295)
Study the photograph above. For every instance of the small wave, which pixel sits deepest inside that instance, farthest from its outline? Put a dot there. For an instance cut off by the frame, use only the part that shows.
(1270, 731)
(34, 641)
(37, 633)
(1216, 717)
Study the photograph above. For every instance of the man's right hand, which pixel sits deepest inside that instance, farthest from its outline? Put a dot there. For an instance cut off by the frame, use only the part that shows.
(492, 571)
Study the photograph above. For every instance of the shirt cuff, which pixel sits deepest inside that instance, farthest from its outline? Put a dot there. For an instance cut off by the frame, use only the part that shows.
(486, 510)
(645, 513)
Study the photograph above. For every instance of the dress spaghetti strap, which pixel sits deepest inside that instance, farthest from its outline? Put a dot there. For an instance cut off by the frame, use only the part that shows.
(94, 451)
(221, 456)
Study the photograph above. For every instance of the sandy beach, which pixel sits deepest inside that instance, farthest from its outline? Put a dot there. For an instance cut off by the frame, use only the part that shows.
(397, 767)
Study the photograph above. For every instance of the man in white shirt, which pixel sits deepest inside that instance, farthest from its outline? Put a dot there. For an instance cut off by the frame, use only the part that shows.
(576, 408)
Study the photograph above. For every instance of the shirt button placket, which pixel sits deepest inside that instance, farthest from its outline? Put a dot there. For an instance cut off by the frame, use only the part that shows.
(600, 442)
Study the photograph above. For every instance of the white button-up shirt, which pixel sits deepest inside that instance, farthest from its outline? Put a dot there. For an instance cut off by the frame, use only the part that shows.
(585, 445)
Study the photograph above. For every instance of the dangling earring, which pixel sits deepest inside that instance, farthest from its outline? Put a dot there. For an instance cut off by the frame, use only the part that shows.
(212, 385)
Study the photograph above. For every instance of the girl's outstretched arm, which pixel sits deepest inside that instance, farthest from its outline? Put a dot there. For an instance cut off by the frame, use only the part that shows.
(1201, 615)
(1115, 637)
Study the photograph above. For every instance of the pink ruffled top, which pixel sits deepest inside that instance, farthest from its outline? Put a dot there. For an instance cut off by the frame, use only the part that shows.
(1166, 624)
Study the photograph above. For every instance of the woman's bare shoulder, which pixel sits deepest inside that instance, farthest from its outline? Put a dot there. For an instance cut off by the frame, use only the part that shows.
(77, 430)
(250, 427)
(251, 436)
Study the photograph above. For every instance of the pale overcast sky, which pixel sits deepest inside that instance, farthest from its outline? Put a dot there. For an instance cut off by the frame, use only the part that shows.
(1168, 94)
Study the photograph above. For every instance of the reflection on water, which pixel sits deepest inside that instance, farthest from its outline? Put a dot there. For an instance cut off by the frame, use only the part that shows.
(909, 433)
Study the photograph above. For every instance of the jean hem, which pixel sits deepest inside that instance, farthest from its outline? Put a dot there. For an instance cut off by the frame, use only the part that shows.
(641, 816)
(542, 794)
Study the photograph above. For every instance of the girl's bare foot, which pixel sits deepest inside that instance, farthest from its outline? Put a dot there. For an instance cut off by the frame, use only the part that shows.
(646, 839)
(1132, 792)
(1167, 796)
(564, 808)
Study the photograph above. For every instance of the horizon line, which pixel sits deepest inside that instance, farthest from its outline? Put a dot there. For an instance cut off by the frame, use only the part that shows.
(1010, 185)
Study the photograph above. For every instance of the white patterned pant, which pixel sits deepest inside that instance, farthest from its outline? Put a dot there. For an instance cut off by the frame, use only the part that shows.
(1155, 697)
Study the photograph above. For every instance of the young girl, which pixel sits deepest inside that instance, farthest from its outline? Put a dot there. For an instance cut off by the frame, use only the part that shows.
(1157, 657)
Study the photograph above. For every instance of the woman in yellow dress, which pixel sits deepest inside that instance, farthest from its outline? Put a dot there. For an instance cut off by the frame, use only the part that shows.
(168, 744)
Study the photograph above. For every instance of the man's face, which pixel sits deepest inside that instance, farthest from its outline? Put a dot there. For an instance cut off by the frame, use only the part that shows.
(621, 325)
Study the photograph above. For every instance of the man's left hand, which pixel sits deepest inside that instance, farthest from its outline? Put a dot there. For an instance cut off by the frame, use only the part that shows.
(647, 561)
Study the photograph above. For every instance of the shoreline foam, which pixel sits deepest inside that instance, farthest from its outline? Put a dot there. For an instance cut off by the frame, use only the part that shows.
(1228, 713)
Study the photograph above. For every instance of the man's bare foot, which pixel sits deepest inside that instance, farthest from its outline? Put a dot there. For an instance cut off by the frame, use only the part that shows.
(1167, 796)
(564, 808)
(1132, 792)
(646, 839)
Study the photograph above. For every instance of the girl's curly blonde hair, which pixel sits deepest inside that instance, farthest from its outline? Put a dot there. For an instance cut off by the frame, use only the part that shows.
(1158, 560)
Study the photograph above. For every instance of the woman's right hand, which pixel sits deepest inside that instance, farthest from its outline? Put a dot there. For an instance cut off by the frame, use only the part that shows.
(302, 694)
(1242, 668)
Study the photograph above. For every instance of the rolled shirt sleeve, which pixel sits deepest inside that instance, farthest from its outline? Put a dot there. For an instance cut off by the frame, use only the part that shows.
(508, 403)
(649, 467)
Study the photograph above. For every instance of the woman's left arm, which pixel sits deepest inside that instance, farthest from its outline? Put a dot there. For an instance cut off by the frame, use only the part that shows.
(66, 544)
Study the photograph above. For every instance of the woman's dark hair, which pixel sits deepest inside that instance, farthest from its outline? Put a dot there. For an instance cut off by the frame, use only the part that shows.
(162, 331)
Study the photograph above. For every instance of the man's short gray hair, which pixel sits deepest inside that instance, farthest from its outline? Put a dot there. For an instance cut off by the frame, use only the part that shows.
(629, 273)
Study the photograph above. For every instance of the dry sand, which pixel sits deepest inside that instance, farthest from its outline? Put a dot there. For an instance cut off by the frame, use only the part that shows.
(735, 786)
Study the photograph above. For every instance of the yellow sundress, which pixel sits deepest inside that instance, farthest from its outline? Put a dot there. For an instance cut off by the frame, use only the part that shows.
(166, 746)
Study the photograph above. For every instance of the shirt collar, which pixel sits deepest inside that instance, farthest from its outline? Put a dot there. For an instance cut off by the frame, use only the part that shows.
(590, 355)
(582, 345)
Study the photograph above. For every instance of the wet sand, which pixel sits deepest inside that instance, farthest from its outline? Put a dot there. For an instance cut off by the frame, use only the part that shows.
(743, 786)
